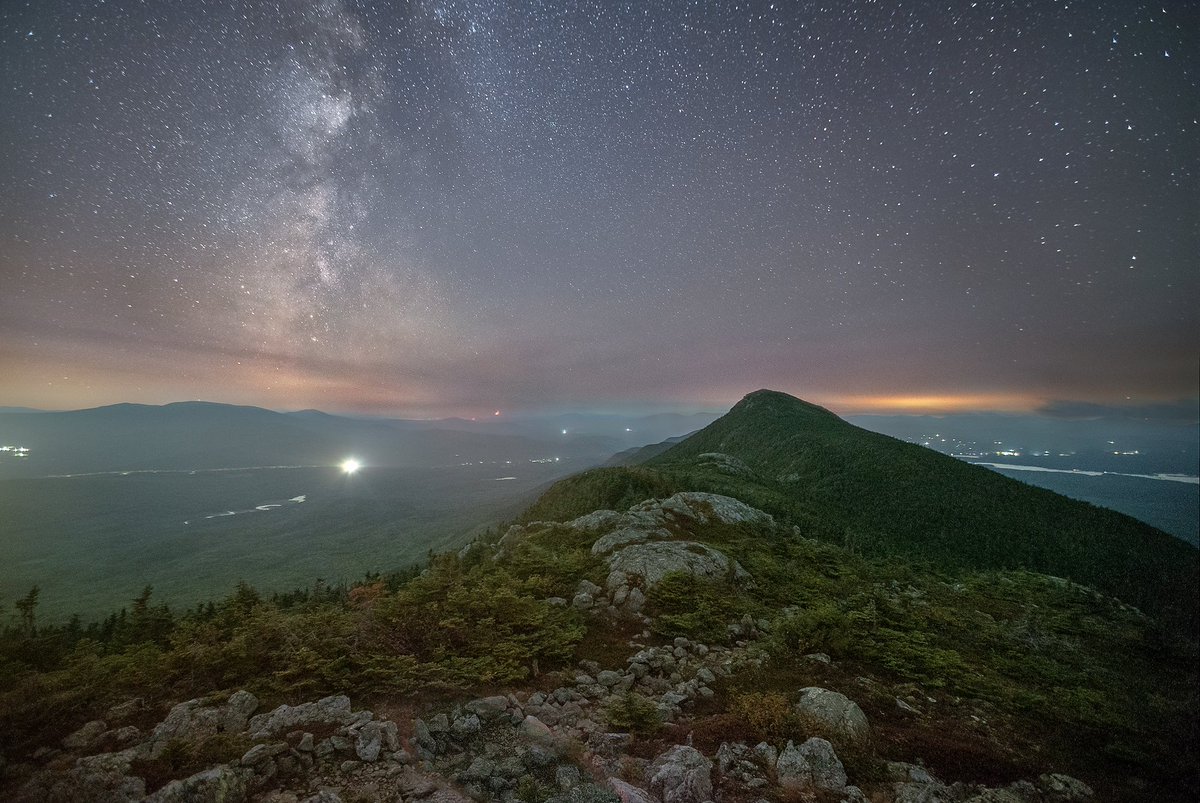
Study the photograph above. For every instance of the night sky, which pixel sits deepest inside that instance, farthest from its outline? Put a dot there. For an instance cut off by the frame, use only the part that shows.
(437, 208)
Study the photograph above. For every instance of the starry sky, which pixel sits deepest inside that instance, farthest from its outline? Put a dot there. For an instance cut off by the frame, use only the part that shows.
(447, 207)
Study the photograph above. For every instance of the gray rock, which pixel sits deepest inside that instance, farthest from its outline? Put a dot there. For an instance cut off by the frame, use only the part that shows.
(104, 777)
(125, 710)
(598, 521)
(608, 678)
(566, 776)
(488, 708)
(582, 601)
(374, 737)
(628, 535)
(713, 508)
(194, 720)
(261, 752)
(653, 561)
(826, 769)
(124, 736)
(481, 769)
(222, 784)
(833, 713)
(237, 710)
(585, 793)
(682, 775)
(535, 732)
(589, 588)
(86, 736)
(628, 793)
(1058, 787)
(791, 769)
(328, 710)
(324, 796)
(466, 726)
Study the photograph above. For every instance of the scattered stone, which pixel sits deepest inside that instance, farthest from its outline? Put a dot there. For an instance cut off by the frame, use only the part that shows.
(1058, 787)
(333, 710)
(653, 561)
(833, 713)
(682, 775)
(222, 784)
(628, 793)
(86, 736)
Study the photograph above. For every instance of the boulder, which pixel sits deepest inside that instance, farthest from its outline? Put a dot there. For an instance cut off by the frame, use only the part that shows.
(328, 710)
(261, 752)
(324, 796)
(598, 521)
(653, 561)
(681, 775)
(222, 784)
(86, 736)
(194, 720)
(1058, 787)
(627, 535)
(488, 708)
(104, 777)
(630, 793)
(706, 508)
(374, 737)
(833, 713)
(827, 770)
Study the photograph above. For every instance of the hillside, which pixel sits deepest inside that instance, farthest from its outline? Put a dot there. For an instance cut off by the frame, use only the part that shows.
(629, 641)
(880, 496)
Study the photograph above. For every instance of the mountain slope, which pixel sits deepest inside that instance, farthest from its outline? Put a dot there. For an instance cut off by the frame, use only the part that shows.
(880, 496)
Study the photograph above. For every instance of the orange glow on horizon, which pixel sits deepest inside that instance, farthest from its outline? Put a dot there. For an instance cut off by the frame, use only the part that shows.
(936, 403)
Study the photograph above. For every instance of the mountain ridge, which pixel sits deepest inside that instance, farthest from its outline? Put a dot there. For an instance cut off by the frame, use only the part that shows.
(884, 496)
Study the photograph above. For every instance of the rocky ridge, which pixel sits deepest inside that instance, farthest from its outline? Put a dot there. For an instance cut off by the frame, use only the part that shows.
(568, 744)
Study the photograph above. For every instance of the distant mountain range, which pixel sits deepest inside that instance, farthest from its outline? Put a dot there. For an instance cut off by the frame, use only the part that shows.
(205, 435)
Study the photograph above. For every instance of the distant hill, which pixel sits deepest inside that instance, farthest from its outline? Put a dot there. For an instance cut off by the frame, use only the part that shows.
(204, 435)
(640, 454)
(880, 496)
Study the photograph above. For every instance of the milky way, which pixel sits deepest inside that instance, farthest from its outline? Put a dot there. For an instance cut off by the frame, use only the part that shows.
(447, 207)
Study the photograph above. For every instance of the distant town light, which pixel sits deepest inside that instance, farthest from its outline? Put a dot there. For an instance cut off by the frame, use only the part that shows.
(350, 465)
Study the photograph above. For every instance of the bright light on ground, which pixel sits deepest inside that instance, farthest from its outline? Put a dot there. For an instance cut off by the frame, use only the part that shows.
(350, 466)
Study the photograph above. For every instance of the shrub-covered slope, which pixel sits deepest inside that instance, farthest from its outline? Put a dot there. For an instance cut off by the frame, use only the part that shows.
(881, 496)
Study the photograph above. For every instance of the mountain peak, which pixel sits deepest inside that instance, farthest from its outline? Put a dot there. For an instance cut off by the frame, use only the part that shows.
(774, 401)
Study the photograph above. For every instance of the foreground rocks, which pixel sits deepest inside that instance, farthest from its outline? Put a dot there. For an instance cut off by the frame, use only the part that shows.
(565, 742)
(555, 746)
